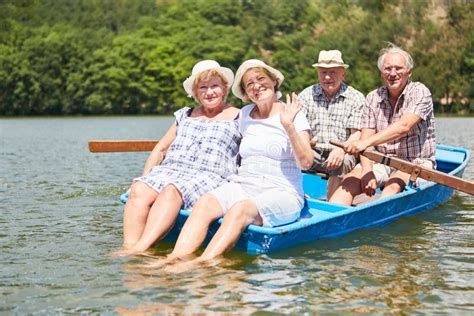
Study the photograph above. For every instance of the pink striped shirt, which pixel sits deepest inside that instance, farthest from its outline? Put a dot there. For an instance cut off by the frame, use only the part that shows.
(419, 144)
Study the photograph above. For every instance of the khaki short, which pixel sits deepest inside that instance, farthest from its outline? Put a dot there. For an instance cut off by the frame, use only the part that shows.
(383, 172)
(320, 164)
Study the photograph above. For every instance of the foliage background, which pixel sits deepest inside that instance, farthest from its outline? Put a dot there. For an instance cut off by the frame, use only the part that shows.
(86, 57)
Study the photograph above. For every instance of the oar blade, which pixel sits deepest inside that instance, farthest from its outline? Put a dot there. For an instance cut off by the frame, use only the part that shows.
(108, 146)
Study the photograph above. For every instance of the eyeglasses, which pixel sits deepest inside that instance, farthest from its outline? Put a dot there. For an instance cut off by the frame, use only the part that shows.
(251, 84)
(398, 70)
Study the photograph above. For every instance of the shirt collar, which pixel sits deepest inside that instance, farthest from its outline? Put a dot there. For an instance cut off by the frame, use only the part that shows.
(318, 91)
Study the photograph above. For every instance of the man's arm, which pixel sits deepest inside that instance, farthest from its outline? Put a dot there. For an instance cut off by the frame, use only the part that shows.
(391, 132)
(355, 135)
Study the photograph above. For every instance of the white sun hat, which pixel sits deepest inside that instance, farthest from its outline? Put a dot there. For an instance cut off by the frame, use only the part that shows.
(330, 59)
(246, 65)
(203, 66)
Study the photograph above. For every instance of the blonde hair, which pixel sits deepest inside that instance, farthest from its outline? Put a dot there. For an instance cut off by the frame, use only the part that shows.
(207, 75)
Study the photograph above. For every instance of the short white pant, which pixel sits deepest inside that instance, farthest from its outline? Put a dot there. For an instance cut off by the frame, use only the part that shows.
(276, 205)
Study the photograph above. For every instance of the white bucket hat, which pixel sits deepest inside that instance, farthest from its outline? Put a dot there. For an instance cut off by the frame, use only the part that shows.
(246, 65)
(330, 59)
(203, 66)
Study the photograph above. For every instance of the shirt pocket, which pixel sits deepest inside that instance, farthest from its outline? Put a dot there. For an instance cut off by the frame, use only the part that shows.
(339, 125)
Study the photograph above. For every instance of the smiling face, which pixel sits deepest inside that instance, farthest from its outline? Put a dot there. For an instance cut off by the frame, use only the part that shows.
(330, 79)
(211, 93)
(258, 85)
(395, 73)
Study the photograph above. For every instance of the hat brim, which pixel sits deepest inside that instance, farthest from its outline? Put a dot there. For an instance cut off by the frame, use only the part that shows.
(334, 65)
(225, 72)
(236, 87)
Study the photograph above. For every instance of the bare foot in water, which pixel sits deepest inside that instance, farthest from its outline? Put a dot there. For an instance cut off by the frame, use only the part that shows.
(161, 262)
(183, 266)
(127, 252)
(186, 266)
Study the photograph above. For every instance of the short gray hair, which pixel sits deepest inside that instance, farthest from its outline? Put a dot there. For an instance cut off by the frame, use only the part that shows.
(392, 48)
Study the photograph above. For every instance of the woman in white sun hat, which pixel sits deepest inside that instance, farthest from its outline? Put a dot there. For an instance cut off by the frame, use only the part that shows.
(267, 190)
(196, 155)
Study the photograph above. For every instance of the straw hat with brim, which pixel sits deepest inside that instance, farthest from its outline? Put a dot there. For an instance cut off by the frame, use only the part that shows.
(246, 65)
(330, 59)
(203, 66)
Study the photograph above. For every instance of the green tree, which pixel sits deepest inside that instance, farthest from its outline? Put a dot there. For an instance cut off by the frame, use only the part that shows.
(127, 56)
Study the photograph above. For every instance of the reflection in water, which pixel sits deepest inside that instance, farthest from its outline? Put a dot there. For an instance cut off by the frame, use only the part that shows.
(349, 277)
(204, 289)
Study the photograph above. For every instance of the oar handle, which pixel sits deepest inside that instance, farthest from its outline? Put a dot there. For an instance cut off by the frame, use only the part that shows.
(336, 143)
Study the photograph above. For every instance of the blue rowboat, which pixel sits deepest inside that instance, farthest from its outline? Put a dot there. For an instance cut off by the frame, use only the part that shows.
(321, 219)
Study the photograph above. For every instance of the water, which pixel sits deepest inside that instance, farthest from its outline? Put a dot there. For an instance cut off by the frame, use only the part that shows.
(60, 218)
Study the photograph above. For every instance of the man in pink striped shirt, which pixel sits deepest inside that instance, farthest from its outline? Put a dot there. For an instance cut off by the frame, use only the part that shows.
(397, 120)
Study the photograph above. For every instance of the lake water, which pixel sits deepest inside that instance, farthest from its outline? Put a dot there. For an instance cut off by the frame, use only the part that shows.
(61, 217)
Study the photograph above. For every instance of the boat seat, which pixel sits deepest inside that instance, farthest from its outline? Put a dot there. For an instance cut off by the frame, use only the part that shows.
(323, 175)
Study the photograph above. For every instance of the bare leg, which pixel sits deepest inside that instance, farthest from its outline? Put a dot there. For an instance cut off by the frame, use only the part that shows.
(395, 184)
(235, 222)
(206, 210)
(333, 183)
(136, 212)
(349, 188)
(161, 217)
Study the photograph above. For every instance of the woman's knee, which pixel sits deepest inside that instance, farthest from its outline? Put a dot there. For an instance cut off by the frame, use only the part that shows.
(140, 192)
(204, 202)
(171, 192)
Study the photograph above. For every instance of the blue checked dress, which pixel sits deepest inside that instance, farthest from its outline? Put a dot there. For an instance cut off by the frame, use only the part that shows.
(202, 156)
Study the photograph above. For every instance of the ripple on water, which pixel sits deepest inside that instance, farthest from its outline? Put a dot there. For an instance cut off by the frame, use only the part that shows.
(60, 220)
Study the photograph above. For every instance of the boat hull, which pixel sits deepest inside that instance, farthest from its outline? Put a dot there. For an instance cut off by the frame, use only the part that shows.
(320, 219)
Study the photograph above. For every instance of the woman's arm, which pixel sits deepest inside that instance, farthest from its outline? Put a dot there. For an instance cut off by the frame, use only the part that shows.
(299, 140)
(158, 153)
(301, 148)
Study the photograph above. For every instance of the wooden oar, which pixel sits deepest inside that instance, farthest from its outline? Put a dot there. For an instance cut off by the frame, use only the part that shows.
(417, 170)
(110, 146)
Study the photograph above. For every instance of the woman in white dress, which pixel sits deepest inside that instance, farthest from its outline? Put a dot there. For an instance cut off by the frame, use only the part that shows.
(267, 189)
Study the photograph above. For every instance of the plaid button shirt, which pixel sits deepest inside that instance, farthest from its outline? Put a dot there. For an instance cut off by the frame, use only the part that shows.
(419, 144)
(331, 119)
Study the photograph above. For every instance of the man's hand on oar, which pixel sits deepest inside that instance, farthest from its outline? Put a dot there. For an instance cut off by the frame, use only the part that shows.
(109, 146)
(417, 170)
(354, 147)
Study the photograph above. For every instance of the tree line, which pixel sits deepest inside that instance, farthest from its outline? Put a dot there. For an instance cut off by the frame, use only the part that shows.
(90, 57)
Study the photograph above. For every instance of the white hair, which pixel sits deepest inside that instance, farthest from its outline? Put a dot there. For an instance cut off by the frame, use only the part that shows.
(392, 48)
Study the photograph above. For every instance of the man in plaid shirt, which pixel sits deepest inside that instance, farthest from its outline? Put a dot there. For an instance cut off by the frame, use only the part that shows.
(333, 109)
(398, 120)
